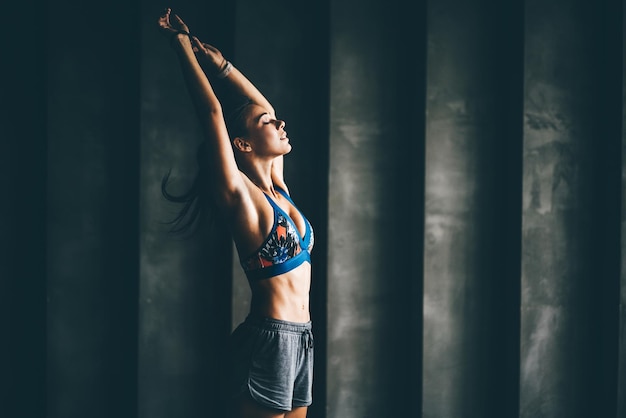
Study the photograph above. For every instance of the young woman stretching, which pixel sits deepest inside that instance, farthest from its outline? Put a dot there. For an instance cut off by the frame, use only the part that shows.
(242, 161)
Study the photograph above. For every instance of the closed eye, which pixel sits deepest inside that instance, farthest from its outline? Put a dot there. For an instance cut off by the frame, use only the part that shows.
(264, 118)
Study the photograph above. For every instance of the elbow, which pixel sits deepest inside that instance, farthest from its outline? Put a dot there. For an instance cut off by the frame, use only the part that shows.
(207, 105)
(213, 109)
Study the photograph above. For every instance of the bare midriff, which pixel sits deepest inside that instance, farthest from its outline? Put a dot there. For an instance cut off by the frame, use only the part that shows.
(284, 297)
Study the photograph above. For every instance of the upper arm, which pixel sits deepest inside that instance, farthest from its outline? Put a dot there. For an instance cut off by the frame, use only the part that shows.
(230, 190)
(226, 180)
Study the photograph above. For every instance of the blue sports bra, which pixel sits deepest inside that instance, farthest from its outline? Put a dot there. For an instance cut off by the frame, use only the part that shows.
(284, 249)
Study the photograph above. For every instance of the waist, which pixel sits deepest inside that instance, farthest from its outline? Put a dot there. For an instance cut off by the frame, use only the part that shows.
(283, 297)
(273, 324)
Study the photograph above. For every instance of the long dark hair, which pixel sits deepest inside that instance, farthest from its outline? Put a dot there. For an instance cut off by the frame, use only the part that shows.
(198, 207)
(196, 200)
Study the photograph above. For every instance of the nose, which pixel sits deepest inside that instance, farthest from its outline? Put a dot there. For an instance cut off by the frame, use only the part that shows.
(280, 124)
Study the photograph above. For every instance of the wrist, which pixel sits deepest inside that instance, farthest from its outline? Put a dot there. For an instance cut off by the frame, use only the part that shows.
(180, 37)
(219, 66)
(224, 69)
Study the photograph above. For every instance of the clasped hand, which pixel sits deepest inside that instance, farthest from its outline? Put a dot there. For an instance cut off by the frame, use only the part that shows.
(207, 54)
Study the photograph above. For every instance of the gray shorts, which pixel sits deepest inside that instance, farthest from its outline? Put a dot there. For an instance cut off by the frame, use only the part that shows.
(272, 361)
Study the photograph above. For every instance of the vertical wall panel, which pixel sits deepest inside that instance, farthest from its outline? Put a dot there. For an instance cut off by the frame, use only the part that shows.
(607, 211)
(184, 303)
(92, 212)
(23, 213)
(564, 278)
(370, 337)
(410, 33)
(621, 384)
(469, 304)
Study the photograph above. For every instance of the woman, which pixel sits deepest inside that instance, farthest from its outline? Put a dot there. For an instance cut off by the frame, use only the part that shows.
(272, 349)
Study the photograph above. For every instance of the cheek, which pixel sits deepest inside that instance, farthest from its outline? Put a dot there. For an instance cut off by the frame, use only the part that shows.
(268, 132)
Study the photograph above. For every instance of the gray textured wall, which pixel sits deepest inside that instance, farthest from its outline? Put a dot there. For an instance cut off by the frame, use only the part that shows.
(469, 316)
(621, 410)
(565, 271)
(372, 342)
(461, 162)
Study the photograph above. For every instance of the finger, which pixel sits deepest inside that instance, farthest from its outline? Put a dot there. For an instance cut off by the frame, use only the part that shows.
(164, 23)
(164, 20)
(197, 44)
(178, 20)
(210, 47)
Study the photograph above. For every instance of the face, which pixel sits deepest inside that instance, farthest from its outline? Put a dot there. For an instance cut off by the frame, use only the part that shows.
(266, 135)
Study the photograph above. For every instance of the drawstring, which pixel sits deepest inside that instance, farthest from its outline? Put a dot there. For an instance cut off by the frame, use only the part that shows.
(307, 339)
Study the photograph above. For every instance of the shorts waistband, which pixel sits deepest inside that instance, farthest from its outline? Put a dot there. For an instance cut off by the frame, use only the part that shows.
(278, 324)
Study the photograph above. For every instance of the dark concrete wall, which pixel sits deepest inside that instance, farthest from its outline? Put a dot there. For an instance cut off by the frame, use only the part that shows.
(471, 229)
(23, 213)
(373, 266)
(621, 370)
(91, 211)
(570, 272)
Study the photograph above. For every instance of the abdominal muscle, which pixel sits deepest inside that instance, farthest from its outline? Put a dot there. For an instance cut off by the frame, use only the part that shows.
(284, 297)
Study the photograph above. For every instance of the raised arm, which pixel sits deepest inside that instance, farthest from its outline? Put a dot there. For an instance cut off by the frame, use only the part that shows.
(228, 180)
(213, 63)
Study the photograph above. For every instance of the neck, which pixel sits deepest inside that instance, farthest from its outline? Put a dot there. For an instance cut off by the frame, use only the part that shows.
(260, 173)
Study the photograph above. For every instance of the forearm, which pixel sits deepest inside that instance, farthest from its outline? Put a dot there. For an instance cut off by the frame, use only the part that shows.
(202, 94)
(234, 82)
(209, 111)
(239, 83)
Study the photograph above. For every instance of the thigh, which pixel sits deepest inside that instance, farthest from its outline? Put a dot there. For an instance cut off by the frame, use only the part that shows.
(247, 408)
(297, 413)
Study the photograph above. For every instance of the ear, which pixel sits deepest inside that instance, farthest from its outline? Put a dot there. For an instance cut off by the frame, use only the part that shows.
(241, 144)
